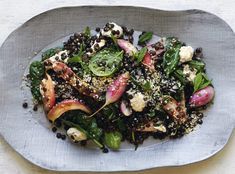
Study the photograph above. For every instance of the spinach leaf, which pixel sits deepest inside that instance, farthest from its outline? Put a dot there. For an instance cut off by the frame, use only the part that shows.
(36, 74)
(170, 60)
(94, 130)
(145, 37)
(50, 52)
(113, 139)
(146, 86)
(201, 81)
(180, 76)
(140, 54)
(106, 62)
(198, 65)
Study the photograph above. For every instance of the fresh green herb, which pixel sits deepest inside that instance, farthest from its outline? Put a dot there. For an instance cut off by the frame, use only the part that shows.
(172, 43)
(170, 60)
(87, 31)
(179, 75)
(88, 134)
(201, 81)
(113, 139)
(105, 62)
(78, 59)
(198, 65)
(110, 112)
(145, 37)
(114, 39)
(50, 52)
(36, 74)
(140, 54)
(146, 86)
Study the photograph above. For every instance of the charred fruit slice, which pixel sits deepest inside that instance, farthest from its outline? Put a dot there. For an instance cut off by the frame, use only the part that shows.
(48, 93)
(148, 62)
(65, 106)
(63, 71)
(175, 109)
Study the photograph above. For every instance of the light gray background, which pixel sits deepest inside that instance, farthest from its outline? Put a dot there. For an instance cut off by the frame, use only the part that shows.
(14, 13)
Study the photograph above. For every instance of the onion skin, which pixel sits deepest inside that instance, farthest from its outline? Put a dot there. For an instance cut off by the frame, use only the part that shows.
(65, 106)
(202, 97)
(127, 47)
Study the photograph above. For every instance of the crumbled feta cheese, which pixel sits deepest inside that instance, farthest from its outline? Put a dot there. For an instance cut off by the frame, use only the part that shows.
(115, 28)
(75, 135)
(186, 53)
(58, 56)
(100, 44)
(137, 102)
(190, 73)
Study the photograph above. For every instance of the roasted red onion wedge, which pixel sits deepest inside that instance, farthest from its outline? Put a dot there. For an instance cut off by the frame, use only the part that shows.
(127, 47)
(115, 90)
(202, 97)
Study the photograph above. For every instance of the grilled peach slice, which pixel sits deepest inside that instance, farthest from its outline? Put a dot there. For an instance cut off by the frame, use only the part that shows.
(64, 106)
(48, 93)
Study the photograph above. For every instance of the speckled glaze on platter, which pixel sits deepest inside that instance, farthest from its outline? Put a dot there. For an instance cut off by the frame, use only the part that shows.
(29, 132)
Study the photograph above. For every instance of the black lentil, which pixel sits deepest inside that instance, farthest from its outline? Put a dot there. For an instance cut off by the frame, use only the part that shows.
(58, 135)
(54, 129)
(25, 105)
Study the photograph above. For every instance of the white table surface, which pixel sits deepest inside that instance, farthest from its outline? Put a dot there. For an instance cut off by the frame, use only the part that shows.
(13, 13)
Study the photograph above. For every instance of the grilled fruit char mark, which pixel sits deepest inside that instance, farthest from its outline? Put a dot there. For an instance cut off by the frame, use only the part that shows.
(63, 71)
(176, 110)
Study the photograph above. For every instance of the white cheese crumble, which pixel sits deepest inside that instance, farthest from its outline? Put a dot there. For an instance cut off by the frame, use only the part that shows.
(58, 56)
(137, 102)
(160, 128)
(115, 28)
(186, 53)
(101, 43)
(190, 73)
(75, 135)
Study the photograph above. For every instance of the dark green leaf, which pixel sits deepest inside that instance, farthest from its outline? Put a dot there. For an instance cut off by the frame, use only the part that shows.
(180, 75)
(197, 81)
(36, 74)
(87, 31)
(146, 86)
(198, 65)
(172, 43)
(201, 81)
(36, 70)
(145, 37)
(171, 60)
(106, 62)
(113, 140)
(140, 54)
